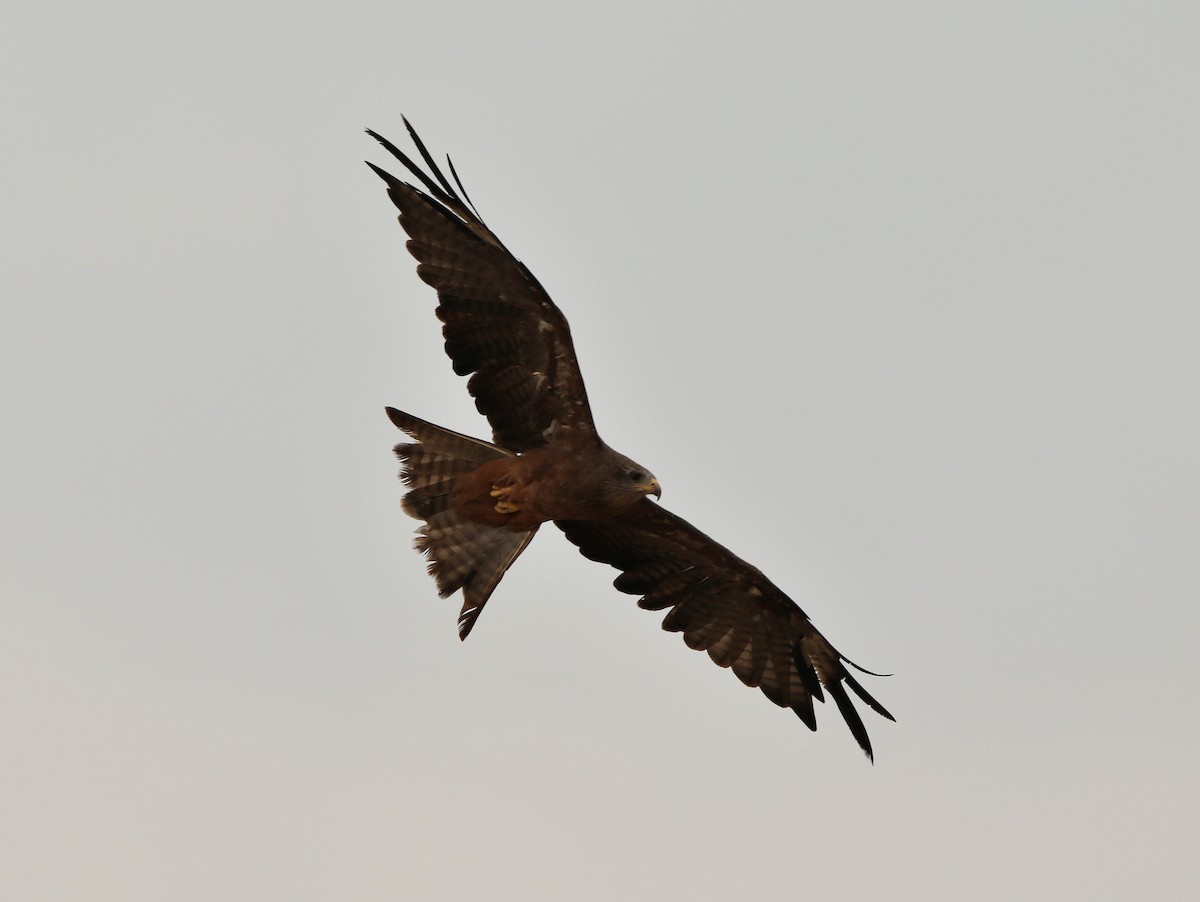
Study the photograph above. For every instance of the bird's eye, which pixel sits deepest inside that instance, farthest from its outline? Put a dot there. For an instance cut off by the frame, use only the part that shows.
(636, 475)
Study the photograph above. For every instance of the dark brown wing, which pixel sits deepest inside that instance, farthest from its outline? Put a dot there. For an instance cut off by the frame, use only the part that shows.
(499, 323)
(726, 607)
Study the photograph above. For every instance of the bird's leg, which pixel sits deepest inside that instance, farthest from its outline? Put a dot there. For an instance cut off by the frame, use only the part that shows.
(503, 506)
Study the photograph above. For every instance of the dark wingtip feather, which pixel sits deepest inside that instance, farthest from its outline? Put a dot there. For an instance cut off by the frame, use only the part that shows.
(804, 710)
(446, 187)
(868, 698)
(850, 715)
(383, 174)
(862, 669)
(458, 182)
(435, 189)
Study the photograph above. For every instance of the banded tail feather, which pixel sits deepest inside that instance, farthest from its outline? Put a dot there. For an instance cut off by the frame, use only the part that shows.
(462, 554)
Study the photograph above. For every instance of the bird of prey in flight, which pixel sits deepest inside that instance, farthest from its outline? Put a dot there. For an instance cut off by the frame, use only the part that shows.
(482, 502)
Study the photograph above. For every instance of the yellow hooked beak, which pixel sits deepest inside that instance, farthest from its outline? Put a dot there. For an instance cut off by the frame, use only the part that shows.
(651, 487)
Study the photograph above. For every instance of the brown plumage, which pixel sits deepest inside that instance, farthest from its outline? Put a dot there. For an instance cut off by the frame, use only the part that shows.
(482, 502)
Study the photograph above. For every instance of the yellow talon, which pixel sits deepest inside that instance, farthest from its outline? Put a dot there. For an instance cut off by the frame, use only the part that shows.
(500, 493)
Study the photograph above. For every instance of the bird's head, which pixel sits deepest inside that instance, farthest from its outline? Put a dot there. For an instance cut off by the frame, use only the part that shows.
(626, 482)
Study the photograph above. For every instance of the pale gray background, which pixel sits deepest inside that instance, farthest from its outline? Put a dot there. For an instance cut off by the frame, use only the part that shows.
(925, 273)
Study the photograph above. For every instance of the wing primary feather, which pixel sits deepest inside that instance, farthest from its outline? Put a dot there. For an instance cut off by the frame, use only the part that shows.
(867, 697)
(862, 669)
(808, 677)
(466, 197)
(383, 174)
(433, 187)
(429, 161)
(803, 708)
(850, 715)
(441, 203)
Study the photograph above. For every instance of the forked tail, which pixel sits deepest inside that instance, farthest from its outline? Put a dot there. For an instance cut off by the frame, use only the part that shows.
(462, 554)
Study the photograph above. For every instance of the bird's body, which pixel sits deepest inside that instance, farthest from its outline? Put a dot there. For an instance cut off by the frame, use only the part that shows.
(522, 492)
(482, 502)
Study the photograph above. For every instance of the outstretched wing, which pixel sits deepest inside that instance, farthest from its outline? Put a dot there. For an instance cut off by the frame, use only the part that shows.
(499, 323)
(726, 607)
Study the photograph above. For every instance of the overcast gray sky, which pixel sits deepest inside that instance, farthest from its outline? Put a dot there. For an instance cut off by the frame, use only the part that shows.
(899, 301)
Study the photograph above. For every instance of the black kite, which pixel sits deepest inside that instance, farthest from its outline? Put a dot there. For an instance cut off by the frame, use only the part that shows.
(483, 501)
